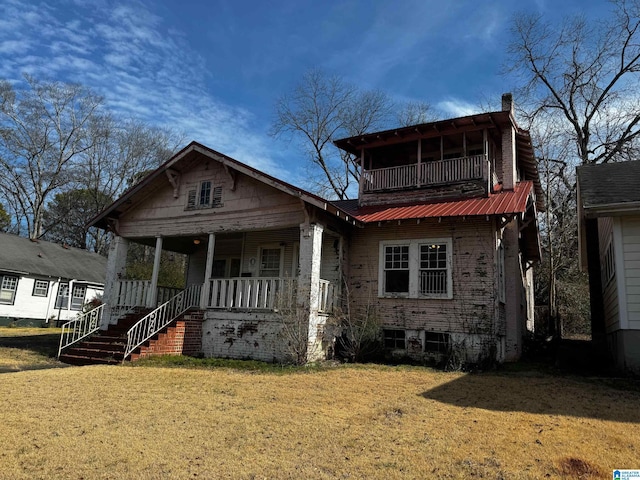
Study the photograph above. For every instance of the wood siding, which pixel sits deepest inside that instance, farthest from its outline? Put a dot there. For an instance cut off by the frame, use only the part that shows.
(473, 305)
(246, 205)
(610, 290)
(631, 252)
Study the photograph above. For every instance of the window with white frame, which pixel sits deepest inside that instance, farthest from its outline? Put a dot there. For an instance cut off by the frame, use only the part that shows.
(62, 299)
(8, 287)
(77, 296)
(40, 288)
(418, 268)
(270, 262)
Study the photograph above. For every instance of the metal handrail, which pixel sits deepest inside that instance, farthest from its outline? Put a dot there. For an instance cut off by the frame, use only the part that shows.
(153, 322)
(80, 327)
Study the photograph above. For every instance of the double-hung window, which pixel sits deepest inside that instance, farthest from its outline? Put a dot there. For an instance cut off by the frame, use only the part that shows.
(8, 287)
(418, 268)
(40, 288)
(77, 297)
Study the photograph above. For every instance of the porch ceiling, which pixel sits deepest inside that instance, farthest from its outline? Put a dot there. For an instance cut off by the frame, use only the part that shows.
(186, 244)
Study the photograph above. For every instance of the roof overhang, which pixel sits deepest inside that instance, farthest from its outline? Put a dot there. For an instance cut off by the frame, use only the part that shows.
(611, 209)
(113, 211)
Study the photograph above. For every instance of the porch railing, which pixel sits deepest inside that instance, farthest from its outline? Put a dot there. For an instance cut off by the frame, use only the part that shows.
(260, 293)
(137, 293)
(153, 322)
(80, 327)
(427, 173)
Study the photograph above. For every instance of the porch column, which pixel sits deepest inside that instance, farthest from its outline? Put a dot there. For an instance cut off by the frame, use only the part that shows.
(152, 296)
(208, 268)
(309, 280)
(116, 269)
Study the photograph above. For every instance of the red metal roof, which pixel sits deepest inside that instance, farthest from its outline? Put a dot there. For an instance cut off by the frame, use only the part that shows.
(502, 203)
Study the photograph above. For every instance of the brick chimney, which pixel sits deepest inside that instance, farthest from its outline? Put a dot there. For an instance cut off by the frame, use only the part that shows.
(509, 172)
(507, 103)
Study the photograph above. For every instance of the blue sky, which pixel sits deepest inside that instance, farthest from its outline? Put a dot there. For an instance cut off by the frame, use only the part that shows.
(214, 69)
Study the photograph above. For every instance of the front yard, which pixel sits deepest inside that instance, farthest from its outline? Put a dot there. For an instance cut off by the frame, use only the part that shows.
(340, 422)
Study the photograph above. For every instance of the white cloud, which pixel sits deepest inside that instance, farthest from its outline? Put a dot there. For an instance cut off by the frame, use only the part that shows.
(456, 107)
(141, 66)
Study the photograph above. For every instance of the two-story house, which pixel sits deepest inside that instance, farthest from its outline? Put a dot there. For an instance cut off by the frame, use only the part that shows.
(437, 249)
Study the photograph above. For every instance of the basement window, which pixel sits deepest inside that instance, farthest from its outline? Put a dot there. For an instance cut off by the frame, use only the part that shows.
(436, 342)
(394, 339)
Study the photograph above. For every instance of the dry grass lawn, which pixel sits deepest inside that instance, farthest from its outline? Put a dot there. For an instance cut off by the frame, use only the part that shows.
(344, 422)
(28, 348)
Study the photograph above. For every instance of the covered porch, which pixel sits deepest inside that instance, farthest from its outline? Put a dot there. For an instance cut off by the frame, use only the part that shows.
(239, 271)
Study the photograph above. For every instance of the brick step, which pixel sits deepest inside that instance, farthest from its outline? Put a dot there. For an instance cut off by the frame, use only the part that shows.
(97, 350)
(72, 359)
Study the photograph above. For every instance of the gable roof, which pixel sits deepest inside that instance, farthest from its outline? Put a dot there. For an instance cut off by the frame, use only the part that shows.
(23, 256)
(502, 203)
(120, 205)
(609, 188)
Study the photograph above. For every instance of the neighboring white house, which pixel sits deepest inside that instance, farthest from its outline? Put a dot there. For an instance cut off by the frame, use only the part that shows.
(43, 281)
(609, 216)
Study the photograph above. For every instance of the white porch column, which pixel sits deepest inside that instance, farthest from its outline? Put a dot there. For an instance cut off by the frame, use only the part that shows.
(309, 280)
(116, 269)
(208, 268)
(152, 297)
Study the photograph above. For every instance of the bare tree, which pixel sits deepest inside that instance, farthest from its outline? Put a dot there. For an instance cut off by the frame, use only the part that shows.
(322, 108)
(587, 74)
(414, 113)
(43, 132)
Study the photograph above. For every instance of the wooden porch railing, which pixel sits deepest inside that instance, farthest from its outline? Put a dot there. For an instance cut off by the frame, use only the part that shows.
(262, 293)
(437, 172)
(137, 293)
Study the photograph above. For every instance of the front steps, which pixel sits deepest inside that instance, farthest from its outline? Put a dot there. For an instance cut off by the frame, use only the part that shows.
(183, 336)
(105, 346)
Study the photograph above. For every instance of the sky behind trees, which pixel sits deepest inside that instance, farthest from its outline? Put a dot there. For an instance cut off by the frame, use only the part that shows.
(213, 70)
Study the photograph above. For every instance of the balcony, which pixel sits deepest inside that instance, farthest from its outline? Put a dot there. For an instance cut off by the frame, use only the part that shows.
(427, 174)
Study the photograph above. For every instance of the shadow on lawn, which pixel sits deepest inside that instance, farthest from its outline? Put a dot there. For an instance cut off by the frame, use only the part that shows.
(539, 393)
(46, 346)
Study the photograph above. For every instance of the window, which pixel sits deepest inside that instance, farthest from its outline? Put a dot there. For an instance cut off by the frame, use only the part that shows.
(270, 262)
(40, 288)
(204, 196)
(77, 297)
(8, 287)
(608, 265)
(62, 299)
(433, 269)
(415, 268)
(205, 193)
(394, 339)
(396, 269)
(436, 342)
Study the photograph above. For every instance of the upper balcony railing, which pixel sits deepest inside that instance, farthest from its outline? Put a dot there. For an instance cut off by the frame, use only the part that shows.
(439, 172)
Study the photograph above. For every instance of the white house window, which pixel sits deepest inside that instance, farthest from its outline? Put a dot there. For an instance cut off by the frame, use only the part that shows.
(396, 268)
(8, 288)
(77, 297)
(394, 339)
(62, 299)
(433, 269)
(40, 288)
(415, 268)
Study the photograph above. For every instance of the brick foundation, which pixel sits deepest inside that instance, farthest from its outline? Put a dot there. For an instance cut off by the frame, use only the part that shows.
(182, 337)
